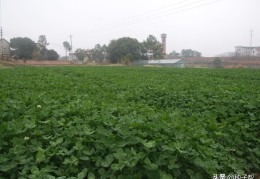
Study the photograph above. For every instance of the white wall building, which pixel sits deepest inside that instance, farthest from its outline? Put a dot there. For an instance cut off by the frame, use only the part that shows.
(4, 50)
(255, 51)
(247, 51)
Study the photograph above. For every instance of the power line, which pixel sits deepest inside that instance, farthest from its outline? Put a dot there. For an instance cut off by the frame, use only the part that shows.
(180, 7)
(140, 15)
(195, 7)
(153, 11)
(155, 15)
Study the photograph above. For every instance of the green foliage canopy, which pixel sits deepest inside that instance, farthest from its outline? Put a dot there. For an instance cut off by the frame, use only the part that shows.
(153, 46)
(51, 55)
(174, 54)
(187, 53)
(99, 52)
(23, 48)
(80, 54)
(124, 49)
(67, 47)
(43, 41)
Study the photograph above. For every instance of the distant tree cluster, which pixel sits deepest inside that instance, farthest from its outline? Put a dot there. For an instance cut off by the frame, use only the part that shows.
(185, 53)
(174, 54)
(122, 50)
(25, 48)
(126, 49)
(98, 53)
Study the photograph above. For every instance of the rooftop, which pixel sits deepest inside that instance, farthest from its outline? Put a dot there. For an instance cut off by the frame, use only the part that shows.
(163, 61)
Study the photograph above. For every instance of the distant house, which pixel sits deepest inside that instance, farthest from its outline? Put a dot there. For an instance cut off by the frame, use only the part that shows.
(255, 51)
(243, 51)
(167, 62)
(4, 49)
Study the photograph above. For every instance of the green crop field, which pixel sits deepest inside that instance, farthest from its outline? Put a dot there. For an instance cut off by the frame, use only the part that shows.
(128, 122)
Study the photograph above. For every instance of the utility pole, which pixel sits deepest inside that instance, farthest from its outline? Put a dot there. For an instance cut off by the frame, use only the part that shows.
(1, 33)
(251, 36)
(2, 44)
(71, 53)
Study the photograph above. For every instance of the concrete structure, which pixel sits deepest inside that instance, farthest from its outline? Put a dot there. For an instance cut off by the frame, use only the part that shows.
(243, 51)
(166, 62)
(255, 51)
(164, 36)
(4, 49)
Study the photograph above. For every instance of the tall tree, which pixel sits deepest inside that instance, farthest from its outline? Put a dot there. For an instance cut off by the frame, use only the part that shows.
(67, 48)
(40, 52)
(124, 50)
(80, 54)
(43, 41)
(99, 52)
(154, 47)
(89, 54)
(23, 48)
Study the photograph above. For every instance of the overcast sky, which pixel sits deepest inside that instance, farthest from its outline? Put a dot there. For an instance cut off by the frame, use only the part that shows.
(209, 26)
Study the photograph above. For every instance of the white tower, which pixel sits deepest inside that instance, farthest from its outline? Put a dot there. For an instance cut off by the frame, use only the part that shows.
(164, 36)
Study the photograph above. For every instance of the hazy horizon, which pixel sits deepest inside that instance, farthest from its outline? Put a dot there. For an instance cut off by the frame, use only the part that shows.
(209, 26)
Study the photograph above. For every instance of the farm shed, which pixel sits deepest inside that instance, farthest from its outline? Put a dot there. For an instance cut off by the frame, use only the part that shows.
(168, 62)
(4, 49)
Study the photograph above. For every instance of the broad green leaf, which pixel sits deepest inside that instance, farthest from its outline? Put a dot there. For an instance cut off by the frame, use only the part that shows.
(8, 166)
(117, 167)
(164, 175)
(35, 170)
(199, 162)
(83, 174)
(3, 158)
(40, 156)
(108, 160)
(149, 144)
(91, 176)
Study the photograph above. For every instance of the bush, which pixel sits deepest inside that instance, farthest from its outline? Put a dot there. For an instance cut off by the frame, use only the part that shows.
(52, 55)
(217, 62)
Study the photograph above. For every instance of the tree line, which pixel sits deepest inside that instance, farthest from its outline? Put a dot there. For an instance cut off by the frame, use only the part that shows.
(25, 48)
(185, 53)
(126, 49)
(122, 50)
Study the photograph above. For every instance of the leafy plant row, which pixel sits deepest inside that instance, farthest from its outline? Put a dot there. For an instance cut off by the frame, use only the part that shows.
(117, 122)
